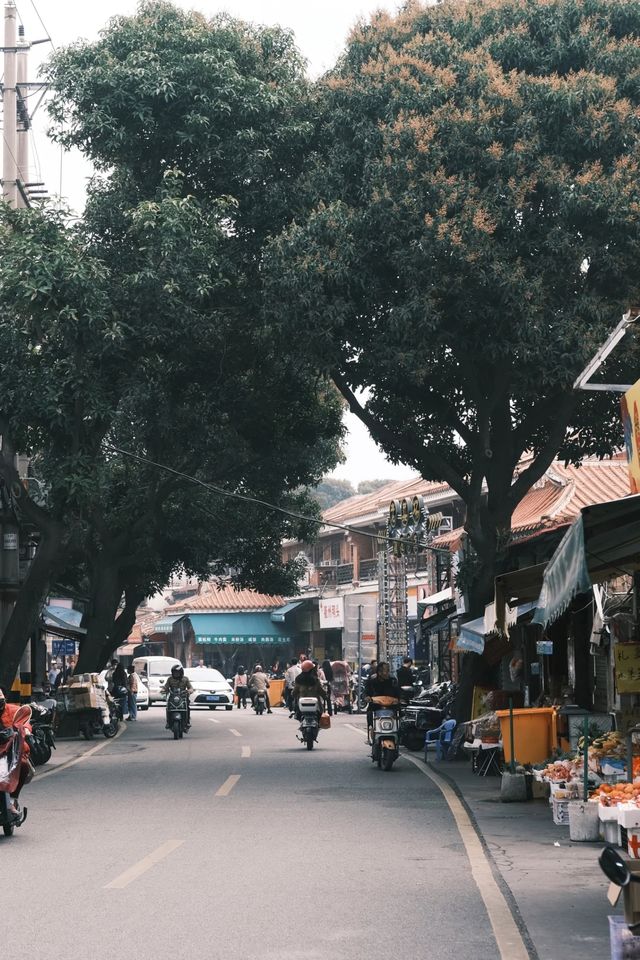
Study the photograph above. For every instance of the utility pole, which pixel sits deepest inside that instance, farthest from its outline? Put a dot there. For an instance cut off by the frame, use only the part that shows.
(10, 106)
(23, 121)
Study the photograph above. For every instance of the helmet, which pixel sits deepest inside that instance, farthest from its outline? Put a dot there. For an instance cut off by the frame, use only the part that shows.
(307, 666)
(3, 701)
(240, 669)
(177, 671)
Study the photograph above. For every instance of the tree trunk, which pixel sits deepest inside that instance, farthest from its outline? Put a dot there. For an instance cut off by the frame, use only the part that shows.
(26, 612)
(122, 626)
(106, 593)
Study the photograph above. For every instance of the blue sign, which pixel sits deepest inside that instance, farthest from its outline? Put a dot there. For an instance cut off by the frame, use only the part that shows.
(63, 648)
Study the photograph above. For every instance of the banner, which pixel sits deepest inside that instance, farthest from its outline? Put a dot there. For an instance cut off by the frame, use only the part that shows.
(331, 613)
(630, 405)
(627, 660)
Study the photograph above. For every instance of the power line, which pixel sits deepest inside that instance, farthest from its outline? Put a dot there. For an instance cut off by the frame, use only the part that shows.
(263, 503)
(43, 26)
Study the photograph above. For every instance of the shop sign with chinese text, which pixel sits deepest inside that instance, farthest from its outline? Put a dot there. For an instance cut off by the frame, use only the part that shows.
(331, 613)
(630, 404)
(627, 659)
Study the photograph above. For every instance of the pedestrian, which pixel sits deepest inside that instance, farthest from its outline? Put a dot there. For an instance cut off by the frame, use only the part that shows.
(289, 680)
(241, 686)
(120, 686)
(133, 685)
(327, 670)
(53, 674)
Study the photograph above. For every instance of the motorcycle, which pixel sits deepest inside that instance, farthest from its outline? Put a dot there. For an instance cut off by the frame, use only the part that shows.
(11, 754)
(425, 712)
(42, 739)
(260, 702)
(178, 713)
(385, 733)
(308, 708)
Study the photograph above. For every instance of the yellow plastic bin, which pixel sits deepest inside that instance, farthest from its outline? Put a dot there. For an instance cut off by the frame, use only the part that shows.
(534, 733)
(276, 688)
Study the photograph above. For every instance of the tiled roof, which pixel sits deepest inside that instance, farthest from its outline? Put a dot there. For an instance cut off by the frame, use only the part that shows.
(366, 504)
(558, 498)
(214, 599)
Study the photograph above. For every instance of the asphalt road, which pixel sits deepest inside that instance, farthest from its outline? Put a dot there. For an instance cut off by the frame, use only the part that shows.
(237, 842)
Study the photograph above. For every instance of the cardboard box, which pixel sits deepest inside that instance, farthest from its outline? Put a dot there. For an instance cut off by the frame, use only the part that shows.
(78, 697)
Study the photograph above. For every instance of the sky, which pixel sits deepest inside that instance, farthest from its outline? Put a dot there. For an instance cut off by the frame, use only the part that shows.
(320, 27)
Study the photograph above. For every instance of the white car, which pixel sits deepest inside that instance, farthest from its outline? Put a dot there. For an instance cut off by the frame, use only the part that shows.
(142, 696)
(210, 689)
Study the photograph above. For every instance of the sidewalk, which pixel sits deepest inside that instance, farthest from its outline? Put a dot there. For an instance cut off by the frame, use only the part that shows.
(559, 891)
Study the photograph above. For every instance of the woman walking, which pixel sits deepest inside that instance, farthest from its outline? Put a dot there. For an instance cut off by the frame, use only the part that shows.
(241, 686)
(328, 676)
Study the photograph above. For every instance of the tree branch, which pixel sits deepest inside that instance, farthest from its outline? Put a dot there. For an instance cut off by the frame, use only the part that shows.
(386, 438)
(563, 409)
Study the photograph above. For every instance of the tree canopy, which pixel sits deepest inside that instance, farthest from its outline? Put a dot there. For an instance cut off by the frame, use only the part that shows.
(471, 235)
(140, 328)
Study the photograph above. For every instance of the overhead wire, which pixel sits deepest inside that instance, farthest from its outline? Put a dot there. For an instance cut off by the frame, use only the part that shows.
(247, 498)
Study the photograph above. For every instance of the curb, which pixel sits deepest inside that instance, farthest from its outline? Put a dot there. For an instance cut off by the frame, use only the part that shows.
(495, 869)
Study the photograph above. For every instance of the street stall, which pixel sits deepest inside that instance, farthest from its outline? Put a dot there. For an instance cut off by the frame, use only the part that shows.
(85, 708)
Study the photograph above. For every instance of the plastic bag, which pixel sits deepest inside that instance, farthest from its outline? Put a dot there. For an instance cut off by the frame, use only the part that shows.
(325, 721)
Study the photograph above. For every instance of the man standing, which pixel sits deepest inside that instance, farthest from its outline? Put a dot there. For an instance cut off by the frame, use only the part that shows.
(133, 685)
(289, 680)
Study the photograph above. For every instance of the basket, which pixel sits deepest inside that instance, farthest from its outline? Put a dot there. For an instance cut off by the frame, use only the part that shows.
(561, 812)
(624, 945)
(325, 721)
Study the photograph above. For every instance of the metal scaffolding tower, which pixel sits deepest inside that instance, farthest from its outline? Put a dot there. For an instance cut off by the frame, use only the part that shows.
(394, 619)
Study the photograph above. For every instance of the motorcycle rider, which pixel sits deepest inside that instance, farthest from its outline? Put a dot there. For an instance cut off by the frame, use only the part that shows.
(7, 713)
(259, 683)
(178, 682)
(308, 685)
(379, 684)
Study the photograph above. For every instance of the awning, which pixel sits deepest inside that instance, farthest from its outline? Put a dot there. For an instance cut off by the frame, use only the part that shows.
(566, 575)
(604, 541)
(63, 622)
(128, 649)
(440, 597)
(280, 613)
(471, 636)
(166, 624)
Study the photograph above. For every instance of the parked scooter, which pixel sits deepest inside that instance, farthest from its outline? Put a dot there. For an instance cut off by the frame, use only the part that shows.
(42, 739)
(178, 713)
(11, 754)
(385, 733)
(308, 708)
(426, 712)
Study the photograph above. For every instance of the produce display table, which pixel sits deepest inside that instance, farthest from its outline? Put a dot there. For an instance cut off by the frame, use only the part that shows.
(485, 758)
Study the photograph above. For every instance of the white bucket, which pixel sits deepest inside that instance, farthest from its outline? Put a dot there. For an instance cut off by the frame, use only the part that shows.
(584, 823)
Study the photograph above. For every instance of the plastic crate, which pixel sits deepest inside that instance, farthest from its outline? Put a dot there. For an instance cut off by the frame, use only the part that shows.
(624, 945)
(561, 812)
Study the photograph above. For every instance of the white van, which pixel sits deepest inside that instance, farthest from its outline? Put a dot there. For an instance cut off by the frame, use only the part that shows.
(154, 671)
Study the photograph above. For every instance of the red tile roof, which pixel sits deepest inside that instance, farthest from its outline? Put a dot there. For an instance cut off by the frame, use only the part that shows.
(365, 504)
(216, 599)
(558, 498)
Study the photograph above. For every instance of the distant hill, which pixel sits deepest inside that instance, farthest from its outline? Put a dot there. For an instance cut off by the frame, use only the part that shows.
(331, 490)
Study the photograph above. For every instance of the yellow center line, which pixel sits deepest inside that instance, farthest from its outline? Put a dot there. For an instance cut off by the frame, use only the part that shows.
(143, 865)
(246, 752)
(228, 785)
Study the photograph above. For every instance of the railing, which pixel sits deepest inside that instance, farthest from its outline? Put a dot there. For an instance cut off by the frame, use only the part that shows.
(344, 573)
(369, 569)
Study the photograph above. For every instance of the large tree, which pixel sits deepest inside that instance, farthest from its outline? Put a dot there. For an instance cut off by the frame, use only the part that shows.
(149, 309)
(471, 234)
